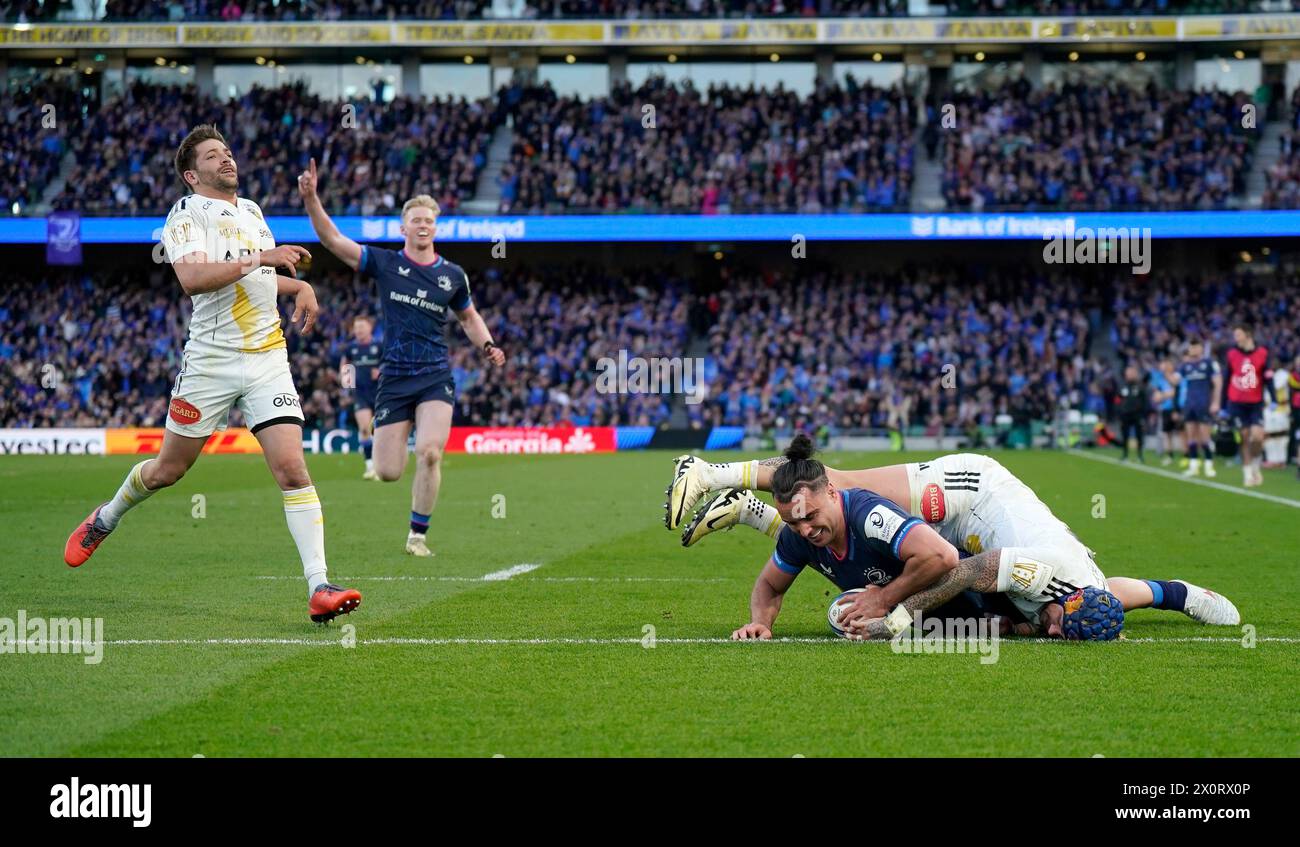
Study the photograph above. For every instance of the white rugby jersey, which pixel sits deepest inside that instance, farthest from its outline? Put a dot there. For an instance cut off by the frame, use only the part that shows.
(244, 315)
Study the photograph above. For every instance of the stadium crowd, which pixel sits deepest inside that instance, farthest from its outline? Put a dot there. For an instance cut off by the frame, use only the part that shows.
(1088, 146)
(933, 347)
(372, 155)
(234, 11)
(102, 349)
(657, 147)
(665, 147)
(230, 11)
(33, 139)
(81, 349)
(1283, 176)
(1101, 7)
(1160, 314)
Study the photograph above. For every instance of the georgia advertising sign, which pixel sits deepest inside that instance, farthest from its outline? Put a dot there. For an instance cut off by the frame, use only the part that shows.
(479, 439)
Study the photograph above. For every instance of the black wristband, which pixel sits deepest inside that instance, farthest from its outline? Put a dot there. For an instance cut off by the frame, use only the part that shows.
(488, 345)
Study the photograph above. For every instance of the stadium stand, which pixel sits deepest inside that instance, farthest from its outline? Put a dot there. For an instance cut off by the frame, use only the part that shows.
(102, 348)
(782, 353)
(1081, 146)
(727, 149)
(123, 149)
(330, 10)
(843, 148)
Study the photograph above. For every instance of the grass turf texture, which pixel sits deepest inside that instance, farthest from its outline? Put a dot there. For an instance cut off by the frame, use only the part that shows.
(608, 569)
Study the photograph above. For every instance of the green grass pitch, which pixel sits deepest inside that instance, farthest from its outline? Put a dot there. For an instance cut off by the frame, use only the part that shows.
(475, 683)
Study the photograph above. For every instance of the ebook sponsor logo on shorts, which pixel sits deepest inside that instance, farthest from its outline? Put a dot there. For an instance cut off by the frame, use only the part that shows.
(93, 800)
(183, 411)
(285, 400)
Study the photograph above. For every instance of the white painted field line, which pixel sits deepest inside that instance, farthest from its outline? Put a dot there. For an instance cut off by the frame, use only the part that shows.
(441, 642)
(525, 579)
(1193, 480)
(507, 573)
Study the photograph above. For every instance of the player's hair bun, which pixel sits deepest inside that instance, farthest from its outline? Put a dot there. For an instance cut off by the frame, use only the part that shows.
(800, 470)
(801, 448)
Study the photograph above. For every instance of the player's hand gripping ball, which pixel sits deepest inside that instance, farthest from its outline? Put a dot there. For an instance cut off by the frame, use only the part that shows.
(1092, 614)
(838, 606)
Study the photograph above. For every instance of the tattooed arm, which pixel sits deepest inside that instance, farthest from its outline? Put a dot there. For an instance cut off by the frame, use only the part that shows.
(976, 573)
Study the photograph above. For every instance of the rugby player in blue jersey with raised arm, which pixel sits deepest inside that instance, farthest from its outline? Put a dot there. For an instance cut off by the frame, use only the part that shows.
(417, 288)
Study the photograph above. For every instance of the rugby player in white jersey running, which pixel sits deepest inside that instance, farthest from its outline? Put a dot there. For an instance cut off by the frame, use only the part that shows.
(225, 259)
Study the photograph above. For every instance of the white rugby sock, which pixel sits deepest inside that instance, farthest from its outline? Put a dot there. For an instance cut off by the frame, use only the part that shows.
(131, 494)
(761, 516)
(733, 475)
(307, 526)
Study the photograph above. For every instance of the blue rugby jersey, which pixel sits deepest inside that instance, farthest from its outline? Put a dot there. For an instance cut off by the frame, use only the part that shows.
(415, 299)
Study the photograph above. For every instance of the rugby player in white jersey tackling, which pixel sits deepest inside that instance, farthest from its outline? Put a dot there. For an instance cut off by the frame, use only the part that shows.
(972, 501)
(225, 259)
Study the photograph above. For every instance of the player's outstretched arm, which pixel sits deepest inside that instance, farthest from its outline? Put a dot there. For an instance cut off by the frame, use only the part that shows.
(348, 251)
(976, 573)
(765, 602)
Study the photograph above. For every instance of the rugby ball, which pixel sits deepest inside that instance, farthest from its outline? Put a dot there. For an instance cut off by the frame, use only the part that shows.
(838, 605)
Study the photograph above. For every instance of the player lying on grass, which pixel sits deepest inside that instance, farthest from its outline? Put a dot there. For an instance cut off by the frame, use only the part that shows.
(971, 500)
(860, 539)
(225, 258)
(417, 288)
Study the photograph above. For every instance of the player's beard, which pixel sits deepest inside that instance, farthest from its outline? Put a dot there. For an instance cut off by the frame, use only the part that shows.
(225, 183)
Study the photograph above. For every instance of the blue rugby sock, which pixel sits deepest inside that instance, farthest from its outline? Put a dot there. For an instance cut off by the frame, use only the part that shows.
(1167, 595)
(368, 447)
(419, 523)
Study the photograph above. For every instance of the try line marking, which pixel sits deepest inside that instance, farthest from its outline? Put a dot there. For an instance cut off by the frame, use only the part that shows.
(507, 573)
(441, 642)
(1193, 480)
